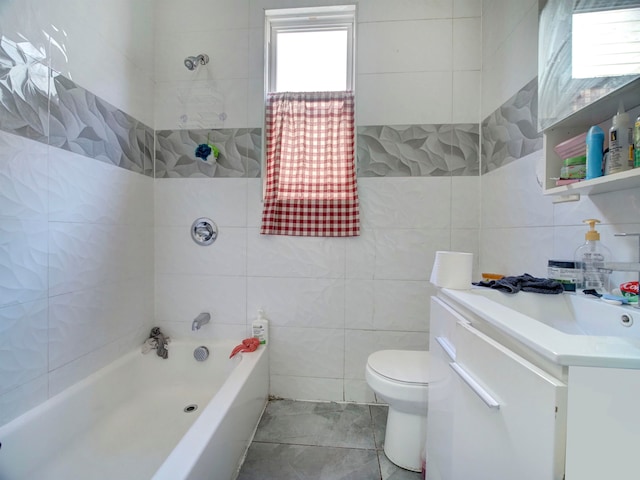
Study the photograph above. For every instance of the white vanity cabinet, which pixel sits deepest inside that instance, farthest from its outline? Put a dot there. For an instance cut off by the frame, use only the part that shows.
(602, 434)
(493, 415)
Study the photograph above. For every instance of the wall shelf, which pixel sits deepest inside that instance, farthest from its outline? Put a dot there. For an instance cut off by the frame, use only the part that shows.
(600, 113)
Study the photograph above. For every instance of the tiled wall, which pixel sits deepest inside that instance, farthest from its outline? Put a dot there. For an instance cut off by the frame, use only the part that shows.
(521, 228)
(332, 302)
(76, 194)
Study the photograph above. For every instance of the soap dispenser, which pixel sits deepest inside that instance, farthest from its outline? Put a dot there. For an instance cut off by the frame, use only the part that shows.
(590, 258)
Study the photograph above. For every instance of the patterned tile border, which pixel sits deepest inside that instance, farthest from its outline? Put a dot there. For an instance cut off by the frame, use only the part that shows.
(418, 150)
(240, 153)
(40, 104)
(511, 132)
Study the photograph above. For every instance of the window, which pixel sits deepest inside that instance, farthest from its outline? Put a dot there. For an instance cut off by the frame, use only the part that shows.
(310, 49)
(309, 176)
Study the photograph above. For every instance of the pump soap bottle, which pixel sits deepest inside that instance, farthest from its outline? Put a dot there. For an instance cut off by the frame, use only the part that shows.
(590, 258)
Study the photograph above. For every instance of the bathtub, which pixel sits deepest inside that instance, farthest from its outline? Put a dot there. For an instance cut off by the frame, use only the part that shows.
(128, 420)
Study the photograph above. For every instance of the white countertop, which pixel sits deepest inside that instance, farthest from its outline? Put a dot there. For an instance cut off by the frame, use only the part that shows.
(612, 344)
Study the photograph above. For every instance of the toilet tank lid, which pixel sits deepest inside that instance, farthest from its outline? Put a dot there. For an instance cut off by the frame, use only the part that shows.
(408, 366)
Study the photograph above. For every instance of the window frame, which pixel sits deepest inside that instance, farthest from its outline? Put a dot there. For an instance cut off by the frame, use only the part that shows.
(308, 19)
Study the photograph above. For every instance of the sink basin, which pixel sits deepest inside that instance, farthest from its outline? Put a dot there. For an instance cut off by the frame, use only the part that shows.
(567, 329)
(573, 314)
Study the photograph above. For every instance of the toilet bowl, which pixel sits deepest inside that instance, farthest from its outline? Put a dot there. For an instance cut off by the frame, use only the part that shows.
(401, 378)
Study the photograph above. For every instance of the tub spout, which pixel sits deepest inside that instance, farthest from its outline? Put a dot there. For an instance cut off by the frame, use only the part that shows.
(200, 320)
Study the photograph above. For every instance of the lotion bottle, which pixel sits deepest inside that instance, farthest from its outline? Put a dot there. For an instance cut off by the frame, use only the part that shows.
(595, 147)
(260, 328)
(591, 258)
(620, 142)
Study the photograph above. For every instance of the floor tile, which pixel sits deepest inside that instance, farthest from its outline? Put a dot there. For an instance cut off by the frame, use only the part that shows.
(270, 461)
(379, 417)
(321, 424)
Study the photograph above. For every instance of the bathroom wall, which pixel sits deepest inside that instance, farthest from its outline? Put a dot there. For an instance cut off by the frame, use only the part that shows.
(331, 301)
(76, 191)
(520, 228)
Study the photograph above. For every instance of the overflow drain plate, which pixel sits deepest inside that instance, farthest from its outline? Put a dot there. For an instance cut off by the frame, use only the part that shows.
(190, 408)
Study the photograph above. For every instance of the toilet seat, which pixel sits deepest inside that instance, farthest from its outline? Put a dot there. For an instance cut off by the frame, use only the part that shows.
(403, 366)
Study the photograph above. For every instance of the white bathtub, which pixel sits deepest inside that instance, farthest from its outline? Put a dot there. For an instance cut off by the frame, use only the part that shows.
(127, 421)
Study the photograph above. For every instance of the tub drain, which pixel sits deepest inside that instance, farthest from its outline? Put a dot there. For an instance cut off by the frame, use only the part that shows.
(201, 353)
(191, 408)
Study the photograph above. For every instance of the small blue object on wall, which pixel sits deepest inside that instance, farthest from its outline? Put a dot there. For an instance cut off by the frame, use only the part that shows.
(205, 149)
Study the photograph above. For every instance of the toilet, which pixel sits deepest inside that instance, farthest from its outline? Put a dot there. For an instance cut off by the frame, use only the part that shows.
(401, 379)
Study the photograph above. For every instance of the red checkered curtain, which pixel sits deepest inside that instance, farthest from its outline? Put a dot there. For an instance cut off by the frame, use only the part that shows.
(311, 179)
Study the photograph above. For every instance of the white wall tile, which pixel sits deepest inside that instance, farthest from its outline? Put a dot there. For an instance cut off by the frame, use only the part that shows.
(200, 15)
(257, 7)
(84, 321)
(23, 261)
(378, 10)
(466, 96)
(466, 47)
(512, 196)
(306, 388)
(80, 189)
(467, 8)
(23, 178)
(400, 46)
(404, 98)
(405, 202)
(307, 352)
(76, 370)
(254, 202)
(408, 254)
(228, 51)
(465, 202)
(201, 103)
(23, 344)
(358, 391)
(27, 22)
(83, 255)
(181, 298)
(388, 305)
(513, 63)
(23, 398)
(514, 251)
(176, 252)
(299, 302)
(283, 256)
(178, 202)
(211, 331)
(361, 255)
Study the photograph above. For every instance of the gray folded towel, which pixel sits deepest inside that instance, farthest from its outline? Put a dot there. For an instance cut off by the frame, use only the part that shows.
(526, 283)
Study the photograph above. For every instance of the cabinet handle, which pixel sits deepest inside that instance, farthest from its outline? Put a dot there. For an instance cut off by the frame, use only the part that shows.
(447, 347)
(475, 386)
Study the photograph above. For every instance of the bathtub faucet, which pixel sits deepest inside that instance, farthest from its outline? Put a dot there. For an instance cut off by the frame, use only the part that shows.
(161, 342)
(200, 320)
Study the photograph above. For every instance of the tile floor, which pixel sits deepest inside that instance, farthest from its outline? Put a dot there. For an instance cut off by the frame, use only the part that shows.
(320, 441)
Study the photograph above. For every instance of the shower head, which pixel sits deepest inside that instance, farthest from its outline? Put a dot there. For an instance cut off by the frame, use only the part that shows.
(192, 62)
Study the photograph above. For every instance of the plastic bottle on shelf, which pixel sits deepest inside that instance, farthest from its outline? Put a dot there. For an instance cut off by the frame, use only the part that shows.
(620, 142)
(636, 143)
(591, 258)
(595, 147)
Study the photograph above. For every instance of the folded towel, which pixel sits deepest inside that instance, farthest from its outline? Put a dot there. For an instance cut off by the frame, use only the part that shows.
(526, 283)
(247, 345)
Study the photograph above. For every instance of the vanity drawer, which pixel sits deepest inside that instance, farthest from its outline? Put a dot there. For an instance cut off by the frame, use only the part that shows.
(508, 415)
